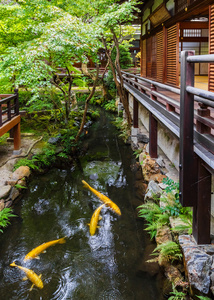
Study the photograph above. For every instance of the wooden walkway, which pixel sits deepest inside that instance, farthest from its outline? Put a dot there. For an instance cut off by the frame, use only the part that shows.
(187, 112)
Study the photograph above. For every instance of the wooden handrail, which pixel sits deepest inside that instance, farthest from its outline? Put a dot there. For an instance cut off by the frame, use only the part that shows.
(9, 107)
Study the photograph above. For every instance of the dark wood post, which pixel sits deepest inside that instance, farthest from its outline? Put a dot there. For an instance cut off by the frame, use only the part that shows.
(135, 113)
(153, 136)
(17, 137)
(202, 208)
(16, 102)
(9, 110)
(153, 129)
(188, 161)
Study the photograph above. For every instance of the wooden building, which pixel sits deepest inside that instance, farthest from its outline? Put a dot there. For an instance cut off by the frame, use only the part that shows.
(167, 28)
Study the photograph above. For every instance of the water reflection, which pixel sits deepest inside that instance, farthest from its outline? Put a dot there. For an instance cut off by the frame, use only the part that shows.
(103, 266)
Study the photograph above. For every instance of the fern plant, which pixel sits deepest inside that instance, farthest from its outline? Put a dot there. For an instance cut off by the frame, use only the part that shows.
(152, 213)
(5, 214)
(176, 295)
(169, 251)
(31, 163)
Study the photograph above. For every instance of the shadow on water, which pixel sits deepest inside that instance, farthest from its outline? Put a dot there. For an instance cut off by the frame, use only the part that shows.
(103, 266)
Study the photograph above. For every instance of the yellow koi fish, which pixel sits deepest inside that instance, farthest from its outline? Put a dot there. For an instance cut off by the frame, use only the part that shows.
(103, 198)
(41, 249)
(94, 220)
(33, 277)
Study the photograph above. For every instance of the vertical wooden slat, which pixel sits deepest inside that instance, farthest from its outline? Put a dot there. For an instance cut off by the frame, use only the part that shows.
(143, 59)
(153, 58)
(164, 54)
(149, 57)
(160, 56)
(173, 55)
(211, 48)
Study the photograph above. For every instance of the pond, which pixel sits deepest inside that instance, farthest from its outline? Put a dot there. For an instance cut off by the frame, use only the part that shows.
(102, 266)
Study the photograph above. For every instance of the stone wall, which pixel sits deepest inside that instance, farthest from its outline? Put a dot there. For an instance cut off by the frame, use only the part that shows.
(167, 142)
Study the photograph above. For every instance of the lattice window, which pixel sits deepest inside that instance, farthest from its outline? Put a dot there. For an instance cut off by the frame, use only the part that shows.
(192, 33)
(172, 55)
(160, 56)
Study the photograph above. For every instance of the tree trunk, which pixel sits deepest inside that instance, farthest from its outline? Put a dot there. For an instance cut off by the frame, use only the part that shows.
(123, 92)
(86, 105)
(119, 85)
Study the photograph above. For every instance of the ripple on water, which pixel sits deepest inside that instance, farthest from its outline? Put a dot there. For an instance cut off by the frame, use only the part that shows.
(64, 283)
(110, 294)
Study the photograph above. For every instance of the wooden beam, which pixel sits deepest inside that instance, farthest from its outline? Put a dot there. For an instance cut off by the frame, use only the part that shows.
(9, 125)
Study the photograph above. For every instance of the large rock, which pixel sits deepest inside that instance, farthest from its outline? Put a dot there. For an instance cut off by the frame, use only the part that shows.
(163, 235)
(4, 191)
(149, 166)
(153, 190)
(21, 172)
(198, 264)
(4, 176)
(178, 225)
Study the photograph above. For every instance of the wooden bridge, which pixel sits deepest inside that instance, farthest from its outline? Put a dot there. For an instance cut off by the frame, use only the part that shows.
(10, 117)
(188, 114)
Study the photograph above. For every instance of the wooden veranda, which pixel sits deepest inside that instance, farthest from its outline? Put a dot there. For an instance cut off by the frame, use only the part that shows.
(188, 113)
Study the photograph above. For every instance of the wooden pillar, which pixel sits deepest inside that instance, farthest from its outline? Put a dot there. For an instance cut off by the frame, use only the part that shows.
(153, 129)
(202, 208)
(17, 136)
(188, 171)
(153, 133)
(135, 113)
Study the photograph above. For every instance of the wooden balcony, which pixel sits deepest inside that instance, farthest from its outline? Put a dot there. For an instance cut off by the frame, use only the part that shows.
(10, 118)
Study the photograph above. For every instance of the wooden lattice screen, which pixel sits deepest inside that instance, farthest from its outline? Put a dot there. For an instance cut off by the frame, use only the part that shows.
(153, 58)
(160, 56)
(149, 57)
(143, 58)
(211, 48)
(173, 55)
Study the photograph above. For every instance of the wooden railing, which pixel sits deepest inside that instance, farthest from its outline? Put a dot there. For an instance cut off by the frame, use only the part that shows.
(188, 113)
(9, 107)
(10, 117)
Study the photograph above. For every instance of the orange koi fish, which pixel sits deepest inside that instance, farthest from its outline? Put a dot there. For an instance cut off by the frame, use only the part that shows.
(33, 277)
(41, 249)
(94, 219)
(103, 198)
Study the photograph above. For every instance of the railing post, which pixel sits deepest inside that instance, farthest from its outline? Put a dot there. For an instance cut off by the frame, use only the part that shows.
(169, 107)
(9, 110)
(16, 102)
(153, 88)
(203, 111)
(188, 160)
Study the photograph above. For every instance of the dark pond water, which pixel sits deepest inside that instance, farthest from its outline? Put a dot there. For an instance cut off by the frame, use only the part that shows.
(103, 266)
